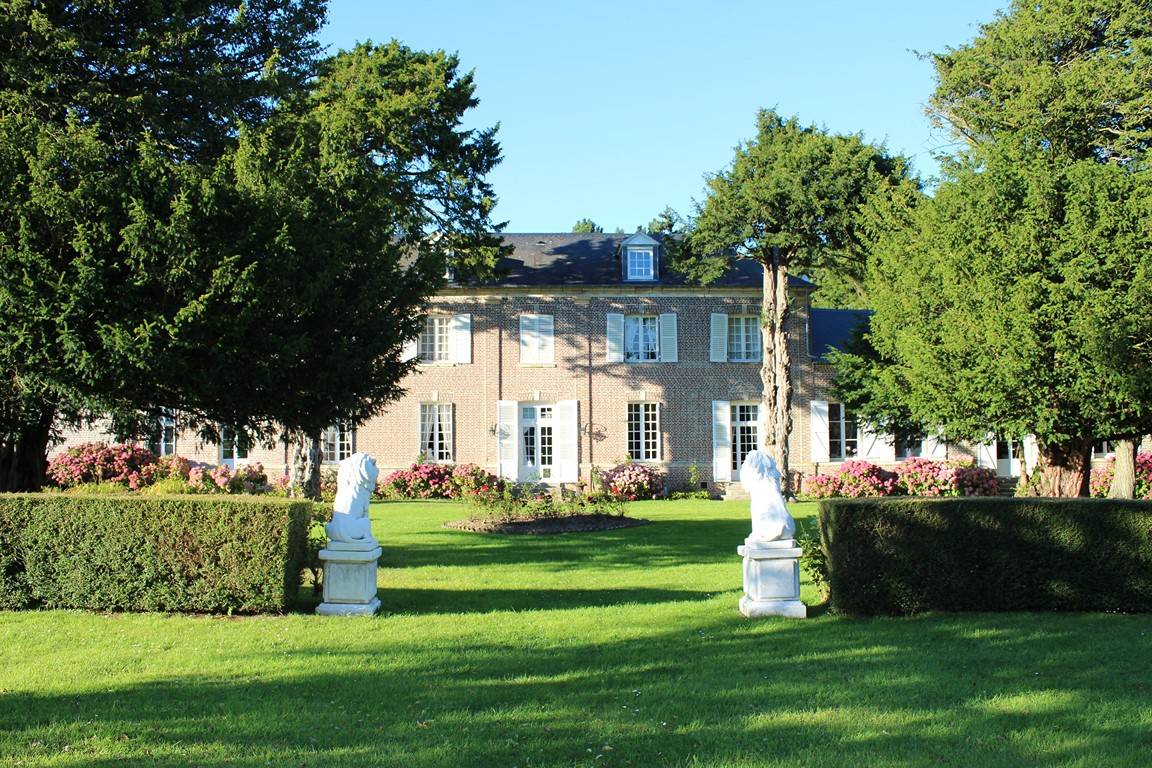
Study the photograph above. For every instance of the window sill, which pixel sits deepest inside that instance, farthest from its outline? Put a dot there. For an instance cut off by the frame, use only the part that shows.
(536, 365)
(445, 364)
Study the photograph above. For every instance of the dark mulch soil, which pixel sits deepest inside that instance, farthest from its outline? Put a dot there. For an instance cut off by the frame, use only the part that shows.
(546, 525)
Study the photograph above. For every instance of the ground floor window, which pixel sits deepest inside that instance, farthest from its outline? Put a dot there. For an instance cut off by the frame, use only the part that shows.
(162, 441)
(338, 443)
(436, 431)
(233, 446)
(745, 432)
(1101, 448)
(908, 446)
(643, 431)
(843, 434)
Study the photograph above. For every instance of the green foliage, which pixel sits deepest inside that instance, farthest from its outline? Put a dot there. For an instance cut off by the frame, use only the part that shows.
(903, 556)
(510, 502)
(587, 226)
(214, 555)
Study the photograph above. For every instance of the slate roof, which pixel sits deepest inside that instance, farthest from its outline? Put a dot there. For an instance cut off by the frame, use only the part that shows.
(588, 260)
(832, 329)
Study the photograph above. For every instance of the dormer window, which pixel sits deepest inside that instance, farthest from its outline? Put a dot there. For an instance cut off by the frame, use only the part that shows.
(641, 264)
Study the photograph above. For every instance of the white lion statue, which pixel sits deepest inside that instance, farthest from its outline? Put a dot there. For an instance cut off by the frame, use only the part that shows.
(770, 518)
(354, 485)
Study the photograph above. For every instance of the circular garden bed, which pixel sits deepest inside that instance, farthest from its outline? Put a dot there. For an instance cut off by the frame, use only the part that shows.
(547, 525)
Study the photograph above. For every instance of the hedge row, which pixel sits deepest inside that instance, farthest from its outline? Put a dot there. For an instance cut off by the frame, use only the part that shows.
(131, 553)
(908, 555)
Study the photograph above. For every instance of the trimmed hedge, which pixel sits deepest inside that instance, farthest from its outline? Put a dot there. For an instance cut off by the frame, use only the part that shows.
(132, 553)
(908, 555)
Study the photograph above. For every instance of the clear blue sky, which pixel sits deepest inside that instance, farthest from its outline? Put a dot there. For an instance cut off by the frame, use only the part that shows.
(612, 110)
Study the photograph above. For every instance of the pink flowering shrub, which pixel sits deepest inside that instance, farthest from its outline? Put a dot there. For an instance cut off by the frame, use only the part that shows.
(1101, 480)
(420, 481)
(471, 479)
(100, 462)
(632, 481)
(915, 477)
(924, 477)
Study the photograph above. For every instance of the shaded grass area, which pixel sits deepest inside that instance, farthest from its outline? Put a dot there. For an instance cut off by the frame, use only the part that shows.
(606, 649)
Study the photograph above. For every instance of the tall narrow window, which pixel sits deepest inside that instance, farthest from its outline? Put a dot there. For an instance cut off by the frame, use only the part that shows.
(233, 446)
(436, 431)
(338, 442)
(743, 338)
(843, 436)
(745, 432)
(435, 339)
(643, 432)
(641, 338)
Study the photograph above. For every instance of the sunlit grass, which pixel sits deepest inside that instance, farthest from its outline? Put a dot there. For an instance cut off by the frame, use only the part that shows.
(604, 649)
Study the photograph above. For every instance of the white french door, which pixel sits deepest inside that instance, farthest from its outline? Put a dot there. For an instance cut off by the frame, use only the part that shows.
(537, 445)
(745, 434)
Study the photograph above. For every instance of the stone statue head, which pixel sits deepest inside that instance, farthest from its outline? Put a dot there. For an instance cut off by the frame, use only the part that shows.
(355, 483)
(758, 466)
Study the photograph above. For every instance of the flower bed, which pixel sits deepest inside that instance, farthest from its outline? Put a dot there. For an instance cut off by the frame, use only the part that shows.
(132, 468)
(912, 477)
(439, 481)
(631, 482)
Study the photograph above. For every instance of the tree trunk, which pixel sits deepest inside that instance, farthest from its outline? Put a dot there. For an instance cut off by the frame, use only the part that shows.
(775, 368)
(24, 461)
(307, 459)
(1064, 469)
(1124, 475)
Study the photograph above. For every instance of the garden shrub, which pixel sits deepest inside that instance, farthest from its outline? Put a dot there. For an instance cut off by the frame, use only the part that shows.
(632, 482)
(148, 553)
(908, 555)
(853, 479)
(525, 501)
(915, 477)
(420, 481)
(100, 462)
(1101, 480)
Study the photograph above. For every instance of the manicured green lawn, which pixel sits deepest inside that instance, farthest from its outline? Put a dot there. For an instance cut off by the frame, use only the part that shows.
(609, 649)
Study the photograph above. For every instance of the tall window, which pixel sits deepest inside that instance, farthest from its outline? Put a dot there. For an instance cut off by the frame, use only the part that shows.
(338, 442)
(539, 453)
(162, 441)
(843, 437)
(745, 433)
(643, 431)
(1101, 448)
(434, 339)
(641, 264)
(641, 338)
(743, 338)
(436, 431)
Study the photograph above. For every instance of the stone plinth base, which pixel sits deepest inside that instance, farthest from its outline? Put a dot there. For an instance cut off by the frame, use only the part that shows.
(349, 579)
(771, 579)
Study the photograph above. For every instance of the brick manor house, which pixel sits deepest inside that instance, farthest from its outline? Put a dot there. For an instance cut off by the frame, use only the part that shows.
(587, 351)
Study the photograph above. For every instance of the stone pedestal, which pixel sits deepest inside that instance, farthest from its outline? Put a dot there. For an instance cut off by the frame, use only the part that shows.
(349, 579)
(771, 579)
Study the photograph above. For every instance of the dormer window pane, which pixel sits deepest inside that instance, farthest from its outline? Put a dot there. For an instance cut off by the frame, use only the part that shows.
(640, 264)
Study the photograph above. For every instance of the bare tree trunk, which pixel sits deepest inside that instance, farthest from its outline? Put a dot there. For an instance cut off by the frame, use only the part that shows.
(24, 461)
(1064, 469)
(1124, 474)
(775, 368)
(307, 459)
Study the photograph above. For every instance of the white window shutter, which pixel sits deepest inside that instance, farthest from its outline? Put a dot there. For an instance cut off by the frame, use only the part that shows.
(507, 434)
(1031, 453)
(761, 426)
(529, 339)
(986, 452)
(614, 339)
(545, 331)
(462, 338)
(668, 348)
(718, 339)
(818, 425)
(411, 349)
(875, 447)
(566, 432)
(721, 440)
(934, 447)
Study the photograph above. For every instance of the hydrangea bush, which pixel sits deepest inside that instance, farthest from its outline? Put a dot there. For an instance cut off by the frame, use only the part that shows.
(99, 462)
(632, 482)
(913, 477)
